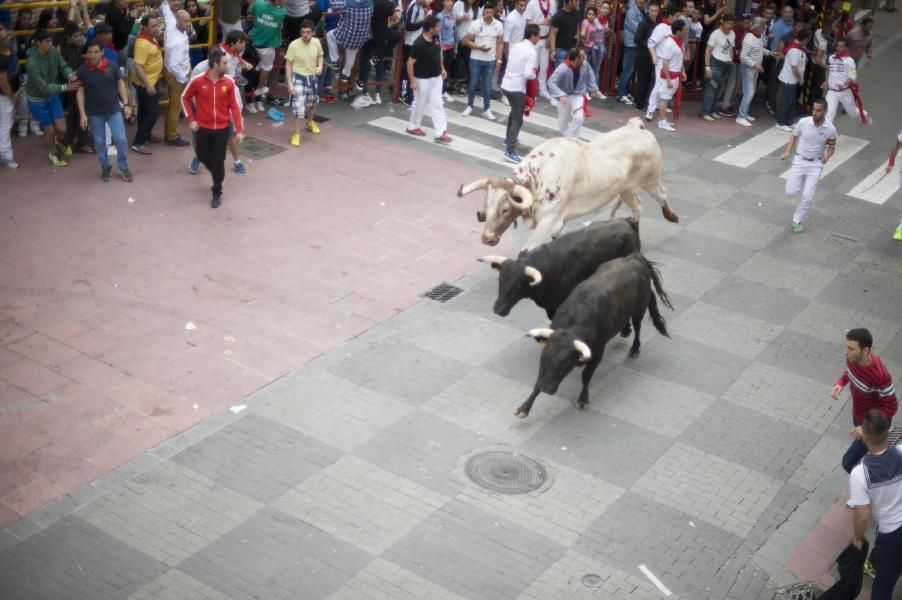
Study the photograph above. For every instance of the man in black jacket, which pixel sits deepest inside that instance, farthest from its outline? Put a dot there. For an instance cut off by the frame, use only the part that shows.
(378, 47)
(644, 74)
(119, 18)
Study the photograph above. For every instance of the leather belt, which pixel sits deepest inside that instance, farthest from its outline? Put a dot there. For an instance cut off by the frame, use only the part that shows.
(808, 159)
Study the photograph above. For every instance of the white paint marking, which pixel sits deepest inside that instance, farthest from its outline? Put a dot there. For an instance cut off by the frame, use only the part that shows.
(655, 580)
(458, 144)
(882, 191)
(846, 148)
(755, 148)
(497, 128)
(537, 118)
(238, 408)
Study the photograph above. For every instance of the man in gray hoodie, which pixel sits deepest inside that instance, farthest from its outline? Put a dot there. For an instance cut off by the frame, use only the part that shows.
(570, 85)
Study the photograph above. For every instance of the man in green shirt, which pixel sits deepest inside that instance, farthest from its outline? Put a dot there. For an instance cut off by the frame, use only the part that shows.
(266, 35)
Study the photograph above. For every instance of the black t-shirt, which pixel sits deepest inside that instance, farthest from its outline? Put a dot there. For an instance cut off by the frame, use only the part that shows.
(8, 61)
(567, 24)
(428, 57)
(101, 93)
(382, 12)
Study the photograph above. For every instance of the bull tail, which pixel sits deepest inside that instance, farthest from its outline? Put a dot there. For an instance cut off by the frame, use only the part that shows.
(656, 317)
(657, 280)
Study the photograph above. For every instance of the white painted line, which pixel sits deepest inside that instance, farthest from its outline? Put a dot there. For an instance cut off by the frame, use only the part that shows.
(537, 118)
(458, 144)
(882, 191)
(496, 128)
(755, 148)
(655, 580)
(846, 148)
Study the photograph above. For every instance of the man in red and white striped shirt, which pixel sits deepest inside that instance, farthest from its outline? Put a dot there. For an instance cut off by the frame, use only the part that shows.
(211, 104)
(871, 386)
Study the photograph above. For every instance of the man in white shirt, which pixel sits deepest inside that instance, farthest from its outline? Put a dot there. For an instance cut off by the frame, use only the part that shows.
(718, 64)
(539, 12)
(514, 26)
(521, 66)
(486, 42)
(791, 76)
(176, 42)
(842, 85)
(669, 73)
(875, 490)
(751, 64)
(817, 142)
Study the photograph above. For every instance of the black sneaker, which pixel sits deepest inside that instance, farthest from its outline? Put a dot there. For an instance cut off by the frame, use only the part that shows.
(406, 101)
(126, 175)
(217, 200)
(142, 149)
(105, 173)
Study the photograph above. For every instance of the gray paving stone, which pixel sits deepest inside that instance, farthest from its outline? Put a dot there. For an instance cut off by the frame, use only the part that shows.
(751, 438)
(175, 585)
(805, 355)
(830, 323)
(474, 554)
(784, 504)
(701, 190)
(869, 288)
(400, 370)
(602, 446)
(774, 305)
(479, 300)
(738, 229)
(679, 359)
(806, 281)
(684, 552)
(425, 449)
(685, 277)
(688, 210)
(383, 580)
(725, 329)
(820, 249)
(706, 250)
(825, 458)
(258, 457)
(274, 556)
(74, 560)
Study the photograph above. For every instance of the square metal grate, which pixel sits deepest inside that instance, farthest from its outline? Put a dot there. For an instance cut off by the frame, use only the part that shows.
(799, 591)
(257, 149)
(443, 292)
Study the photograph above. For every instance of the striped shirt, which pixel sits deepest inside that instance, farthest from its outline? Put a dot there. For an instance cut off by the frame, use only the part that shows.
(871, 387)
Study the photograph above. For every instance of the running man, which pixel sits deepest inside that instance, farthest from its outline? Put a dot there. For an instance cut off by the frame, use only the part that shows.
(841, 86)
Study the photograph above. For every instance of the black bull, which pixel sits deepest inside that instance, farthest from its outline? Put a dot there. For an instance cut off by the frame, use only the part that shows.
(549, 273)
(620, 291)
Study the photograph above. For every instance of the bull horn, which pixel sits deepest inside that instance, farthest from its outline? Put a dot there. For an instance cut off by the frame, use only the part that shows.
(492, 259)
(521, 197)
(479, 184)
(585, 353)
(535, 277)
(541, 333)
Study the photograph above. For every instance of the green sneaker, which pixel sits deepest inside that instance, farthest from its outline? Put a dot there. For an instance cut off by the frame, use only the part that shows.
(898, 235)
(869, 568)
(797, 228)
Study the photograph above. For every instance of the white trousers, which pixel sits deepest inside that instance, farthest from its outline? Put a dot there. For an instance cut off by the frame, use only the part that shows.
(542, 54)
(845, 97)
(570, 116)
(7, 116)
(803, 177)
(350, 53)
(428, 94)
(660, 92)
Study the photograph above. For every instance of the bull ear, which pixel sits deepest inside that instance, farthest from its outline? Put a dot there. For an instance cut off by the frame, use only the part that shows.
(585, 355)
(541, 335)
(494, 261)
(535, 276)
(479, 184)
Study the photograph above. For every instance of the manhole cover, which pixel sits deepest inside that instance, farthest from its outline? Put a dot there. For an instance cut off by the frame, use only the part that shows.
(799, 591)
(591, 580)
(257, 149)
(443, 292)
(505, 472)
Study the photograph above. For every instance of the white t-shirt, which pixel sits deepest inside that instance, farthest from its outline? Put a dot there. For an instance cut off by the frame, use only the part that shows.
(485, 34)
(812, 140)
(840, 70)
(670, 55)
(794, 58)
(880, 486)
(413, 14)
(658, 35)
(514, 26)
(722, 45)
(695, 30)
(521, 65)
(534, 13)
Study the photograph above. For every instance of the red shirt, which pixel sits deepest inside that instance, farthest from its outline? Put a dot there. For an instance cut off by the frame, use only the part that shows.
(215, 103)
(871, 387)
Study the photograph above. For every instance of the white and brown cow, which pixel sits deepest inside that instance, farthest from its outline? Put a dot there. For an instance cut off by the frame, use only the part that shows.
(563, 179)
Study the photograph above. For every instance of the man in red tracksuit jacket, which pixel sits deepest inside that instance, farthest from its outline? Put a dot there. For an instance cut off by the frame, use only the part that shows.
(211, 103)
(871, 386)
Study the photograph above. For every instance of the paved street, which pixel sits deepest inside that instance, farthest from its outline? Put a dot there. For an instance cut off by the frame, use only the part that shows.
(337, 464)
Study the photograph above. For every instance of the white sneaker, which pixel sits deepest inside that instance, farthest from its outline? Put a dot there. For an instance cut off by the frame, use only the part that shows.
(260, 106)
(251, 108)
(446, 97)
(504, 100)
(112, 151)
(545, 95)
(743, 122)
(377, 98)
(600, 96)
(750, 118)
(553, 101)
(10, 164)
(666, 126)
(786, 128)
(361, 101)
(262, 91)
(23, 129)
(487, 114)
(467, 111)
(36, 129)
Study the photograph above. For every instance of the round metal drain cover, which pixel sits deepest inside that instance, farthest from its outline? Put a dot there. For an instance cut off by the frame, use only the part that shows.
(505, 472)
(591, 580)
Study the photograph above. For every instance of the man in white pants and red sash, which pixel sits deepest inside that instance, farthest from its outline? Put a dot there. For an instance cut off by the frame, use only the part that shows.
(539, 12)
(817, 142)
(842, 86)
(668, 81)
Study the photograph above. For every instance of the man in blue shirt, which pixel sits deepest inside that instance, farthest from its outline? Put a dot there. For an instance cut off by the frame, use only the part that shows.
(634, 16)
(779, 30)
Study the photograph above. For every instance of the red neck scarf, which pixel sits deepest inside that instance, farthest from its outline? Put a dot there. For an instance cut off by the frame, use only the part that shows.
(794, 44)
(100, 66)
(228, 50)
(143, 35)
(545, 7)
(841, 56)
(603, 21)
(678, 40)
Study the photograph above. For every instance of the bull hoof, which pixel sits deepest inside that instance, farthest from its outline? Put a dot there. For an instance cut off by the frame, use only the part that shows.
(626, 332)
(671, 216)
(521, 413)
(634, 353)
(581, 407)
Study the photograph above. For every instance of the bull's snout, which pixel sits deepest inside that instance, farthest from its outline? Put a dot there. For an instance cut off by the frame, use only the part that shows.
(501, 311)
(490, 239)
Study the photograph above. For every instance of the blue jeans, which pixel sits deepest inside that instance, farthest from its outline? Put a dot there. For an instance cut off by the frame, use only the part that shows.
(749, 83)
(559, 55)
(97, 125)
(856, 450)
(887, 560)
(719, 71)
(787, 109)
(148, 112)
(629, 65)
(481, 74)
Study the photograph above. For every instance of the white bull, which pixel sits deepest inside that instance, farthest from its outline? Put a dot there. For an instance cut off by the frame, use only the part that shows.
(563, 179)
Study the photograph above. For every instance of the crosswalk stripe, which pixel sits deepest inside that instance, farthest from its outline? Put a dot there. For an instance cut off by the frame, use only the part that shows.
(751, 150)
(537, 118)
(846, 147)
(876, 190)
(459, 144)
(492, 127)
